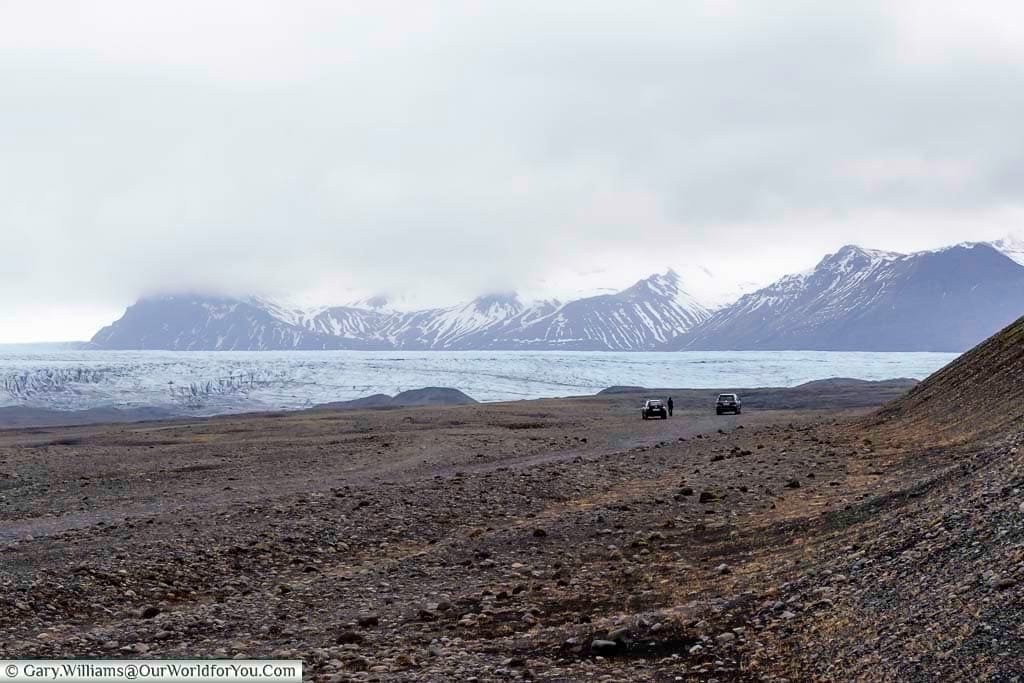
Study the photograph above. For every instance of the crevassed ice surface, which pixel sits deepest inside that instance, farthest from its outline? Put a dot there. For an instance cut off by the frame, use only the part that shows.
(207, 383)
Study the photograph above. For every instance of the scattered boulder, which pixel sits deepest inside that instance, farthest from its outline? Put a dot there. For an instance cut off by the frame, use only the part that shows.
(619, 635)
(348, 637)
(725, 638)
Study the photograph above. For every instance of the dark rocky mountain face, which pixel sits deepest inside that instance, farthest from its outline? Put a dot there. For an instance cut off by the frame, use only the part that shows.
(862, 300)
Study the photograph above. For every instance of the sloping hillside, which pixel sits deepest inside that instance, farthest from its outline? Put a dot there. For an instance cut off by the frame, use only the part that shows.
(979, 394)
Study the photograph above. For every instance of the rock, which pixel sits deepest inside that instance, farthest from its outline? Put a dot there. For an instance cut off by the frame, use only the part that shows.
(619, 635)
(539, 533)
(686, 491)
(347, 637)
(696, 649)
(603, 645)
(368, 620)
(150, 612)
(406, 660)
(792, 484)
(723, 569)
(707, 496)
(1002, 583)
(725, 638)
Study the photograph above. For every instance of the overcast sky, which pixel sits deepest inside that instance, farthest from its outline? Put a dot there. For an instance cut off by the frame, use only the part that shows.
(438, 150)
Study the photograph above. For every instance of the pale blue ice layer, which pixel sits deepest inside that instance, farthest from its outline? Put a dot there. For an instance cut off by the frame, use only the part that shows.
(219, 382)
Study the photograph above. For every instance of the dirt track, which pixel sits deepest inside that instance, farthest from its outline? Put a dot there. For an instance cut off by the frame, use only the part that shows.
(559, 539)
(193, 461)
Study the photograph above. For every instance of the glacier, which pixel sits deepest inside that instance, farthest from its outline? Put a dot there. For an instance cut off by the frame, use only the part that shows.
(216, 382)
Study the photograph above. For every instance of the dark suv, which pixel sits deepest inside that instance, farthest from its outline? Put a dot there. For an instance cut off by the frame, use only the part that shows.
(654, 408)
(728, 403)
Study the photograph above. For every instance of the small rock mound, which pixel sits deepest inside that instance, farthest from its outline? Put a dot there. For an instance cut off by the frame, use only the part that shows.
(432, 396)
(427, 396)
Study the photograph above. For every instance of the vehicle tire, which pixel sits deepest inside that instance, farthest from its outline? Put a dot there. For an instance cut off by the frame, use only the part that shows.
(718, 412)
(738, 411)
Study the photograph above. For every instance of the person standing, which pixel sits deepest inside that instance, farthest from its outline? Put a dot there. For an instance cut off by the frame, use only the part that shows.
(670, 406)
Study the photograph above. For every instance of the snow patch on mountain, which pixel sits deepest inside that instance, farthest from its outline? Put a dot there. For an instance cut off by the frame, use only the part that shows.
(641, 317)
(865, 299)
(1012, 246)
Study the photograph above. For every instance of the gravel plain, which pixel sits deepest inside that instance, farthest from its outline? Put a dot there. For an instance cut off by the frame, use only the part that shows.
(552, 540)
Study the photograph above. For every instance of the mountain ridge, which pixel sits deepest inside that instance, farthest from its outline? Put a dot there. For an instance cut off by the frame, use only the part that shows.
(859, 299)
(855, 299)
(640, 317)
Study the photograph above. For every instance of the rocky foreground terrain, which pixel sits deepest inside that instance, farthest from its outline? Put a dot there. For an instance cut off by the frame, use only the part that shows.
(550, 540)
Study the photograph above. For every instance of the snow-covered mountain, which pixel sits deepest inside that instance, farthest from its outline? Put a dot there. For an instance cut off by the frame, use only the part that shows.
(199, 323)
(1012, 246)
(856, 299)
(865, 300)
(466, 326)
(641, 317)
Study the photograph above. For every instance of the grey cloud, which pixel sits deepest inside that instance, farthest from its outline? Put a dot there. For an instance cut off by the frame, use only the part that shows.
(459, 148)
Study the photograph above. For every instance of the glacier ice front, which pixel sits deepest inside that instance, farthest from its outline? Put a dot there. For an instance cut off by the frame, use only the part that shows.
(206, 383)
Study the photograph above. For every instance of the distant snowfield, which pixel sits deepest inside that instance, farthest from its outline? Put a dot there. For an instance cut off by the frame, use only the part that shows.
(207, 383)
